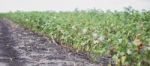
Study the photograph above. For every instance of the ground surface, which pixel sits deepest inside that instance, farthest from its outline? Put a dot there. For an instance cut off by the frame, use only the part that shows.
(21, 47)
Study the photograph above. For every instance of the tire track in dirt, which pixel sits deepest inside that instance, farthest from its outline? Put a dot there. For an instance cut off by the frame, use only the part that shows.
(25, 48)
(8, 55)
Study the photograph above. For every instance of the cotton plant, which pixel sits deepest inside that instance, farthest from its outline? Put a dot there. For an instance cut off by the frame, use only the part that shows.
(95, 32)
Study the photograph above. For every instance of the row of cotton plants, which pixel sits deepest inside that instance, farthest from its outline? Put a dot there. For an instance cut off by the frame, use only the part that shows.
(124, 36)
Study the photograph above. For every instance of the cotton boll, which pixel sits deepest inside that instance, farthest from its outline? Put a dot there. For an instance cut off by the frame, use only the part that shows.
(101, 38)
(94, 35)
(54, 17)
(119, 40)
(95, 41)
(26, 19)
(73, 27)
(129, 51)
(84, 31)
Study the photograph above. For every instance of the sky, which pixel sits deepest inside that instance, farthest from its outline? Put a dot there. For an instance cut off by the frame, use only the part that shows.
(70, 5)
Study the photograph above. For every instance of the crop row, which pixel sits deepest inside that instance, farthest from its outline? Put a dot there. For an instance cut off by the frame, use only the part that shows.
(125, 36)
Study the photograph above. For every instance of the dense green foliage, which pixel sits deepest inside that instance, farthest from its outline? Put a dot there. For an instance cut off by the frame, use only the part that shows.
(100, 33)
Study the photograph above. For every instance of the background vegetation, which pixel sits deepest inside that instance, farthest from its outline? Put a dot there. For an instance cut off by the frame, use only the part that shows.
(124, 36)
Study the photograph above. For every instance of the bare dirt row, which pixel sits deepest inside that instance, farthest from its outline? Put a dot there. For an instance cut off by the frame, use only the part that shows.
(22, 47)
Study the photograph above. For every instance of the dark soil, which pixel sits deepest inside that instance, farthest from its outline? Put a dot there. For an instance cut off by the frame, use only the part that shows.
(22, 47)
(8, 55)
